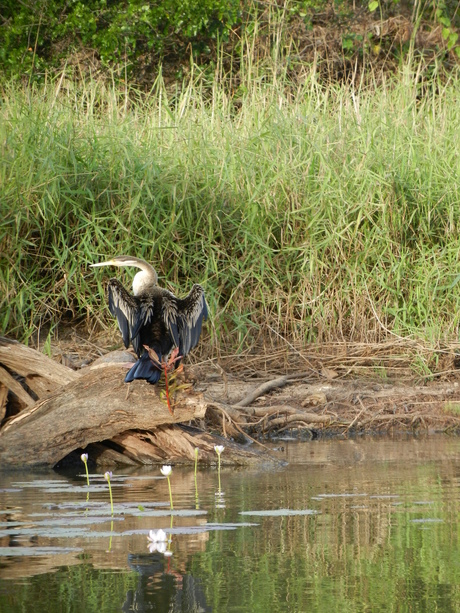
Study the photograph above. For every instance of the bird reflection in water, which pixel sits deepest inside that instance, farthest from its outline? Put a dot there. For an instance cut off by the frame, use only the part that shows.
(161, 588)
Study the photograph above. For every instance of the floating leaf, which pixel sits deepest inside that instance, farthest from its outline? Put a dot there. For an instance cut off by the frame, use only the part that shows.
(344, 495)
(37, 551)
(280, 512)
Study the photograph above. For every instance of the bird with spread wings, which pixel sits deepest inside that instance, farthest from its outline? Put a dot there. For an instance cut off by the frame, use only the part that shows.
(153, 319)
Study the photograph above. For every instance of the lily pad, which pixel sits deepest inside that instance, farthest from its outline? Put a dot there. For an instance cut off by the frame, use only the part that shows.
(194, 529)
(208, 528)
(76, 520)
(37, 551)
(164, 512)
(280, 512)
(344, 495)
(58, 532)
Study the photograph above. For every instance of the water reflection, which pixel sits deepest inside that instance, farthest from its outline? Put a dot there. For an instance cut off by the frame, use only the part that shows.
(163, 589)
(348, 526)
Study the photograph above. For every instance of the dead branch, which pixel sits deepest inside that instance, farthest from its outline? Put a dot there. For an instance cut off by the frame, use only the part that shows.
(26, 361)
(270, 410)
(407, 417)
(10, 383)
(363, 409)
(262, 389)
(308, 418)
(236, 426)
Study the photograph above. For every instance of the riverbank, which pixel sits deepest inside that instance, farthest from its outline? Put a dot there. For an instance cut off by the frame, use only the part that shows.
(50, 413)
(335, 390)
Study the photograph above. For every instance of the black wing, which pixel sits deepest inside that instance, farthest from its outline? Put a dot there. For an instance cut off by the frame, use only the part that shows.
(184, 318)
(130, 316)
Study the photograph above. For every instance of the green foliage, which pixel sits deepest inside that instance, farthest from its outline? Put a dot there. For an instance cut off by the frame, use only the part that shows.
(448, 32)
(131, 37)
(36, 35)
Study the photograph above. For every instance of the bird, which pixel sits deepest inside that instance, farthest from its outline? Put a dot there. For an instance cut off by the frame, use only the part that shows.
(153, 319)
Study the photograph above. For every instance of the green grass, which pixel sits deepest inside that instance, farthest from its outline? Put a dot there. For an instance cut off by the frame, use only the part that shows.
(315, 213)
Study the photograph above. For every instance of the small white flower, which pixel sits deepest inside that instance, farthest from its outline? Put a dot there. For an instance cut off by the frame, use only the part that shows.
(166, 470)
(157, 541)
(84, 457)
(168, 553)
(108, 475)
(218, 449)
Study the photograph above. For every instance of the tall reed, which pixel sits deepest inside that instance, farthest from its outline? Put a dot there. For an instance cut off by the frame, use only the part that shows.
(308, 212)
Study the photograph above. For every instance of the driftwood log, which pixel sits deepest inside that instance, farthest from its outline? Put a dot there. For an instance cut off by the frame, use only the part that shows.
(40, 374)
(95, 407)
(124, 423)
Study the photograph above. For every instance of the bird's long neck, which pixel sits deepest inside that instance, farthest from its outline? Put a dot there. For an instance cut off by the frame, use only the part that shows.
(144, 280)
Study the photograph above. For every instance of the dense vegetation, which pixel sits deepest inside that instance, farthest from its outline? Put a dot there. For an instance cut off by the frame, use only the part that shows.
(38, 36)
(131, 37)
(331, 214)
(310, 211)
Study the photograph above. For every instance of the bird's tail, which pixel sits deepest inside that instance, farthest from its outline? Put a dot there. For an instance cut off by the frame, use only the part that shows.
(144, 368)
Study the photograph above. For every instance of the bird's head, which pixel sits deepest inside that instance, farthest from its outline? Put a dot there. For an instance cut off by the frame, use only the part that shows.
(122, 260)
(148, 276)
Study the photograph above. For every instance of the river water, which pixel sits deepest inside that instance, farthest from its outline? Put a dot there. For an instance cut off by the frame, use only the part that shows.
(345, 525)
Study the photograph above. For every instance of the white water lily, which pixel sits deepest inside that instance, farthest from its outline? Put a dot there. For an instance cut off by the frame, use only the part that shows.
(218, 449)
(107, 477)
(157, 541)
(166, 471)
(84, 459)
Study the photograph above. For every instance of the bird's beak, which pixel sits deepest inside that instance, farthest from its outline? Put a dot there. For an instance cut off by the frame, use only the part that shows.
(108, 263)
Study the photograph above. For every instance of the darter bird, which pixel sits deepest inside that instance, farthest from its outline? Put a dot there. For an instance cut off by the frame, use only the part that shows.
(153, 318)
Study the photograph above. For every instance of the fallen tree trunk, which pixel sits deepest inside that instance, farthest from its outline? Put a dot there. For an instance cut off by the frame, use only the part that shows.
(95, 407)
(174, 444)
(95, 411)
(42, 375)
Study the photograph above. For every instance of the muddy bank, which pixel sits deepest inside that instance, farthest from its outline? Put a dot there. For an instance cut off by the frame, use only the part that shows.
(314, 408)
(51, 412)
